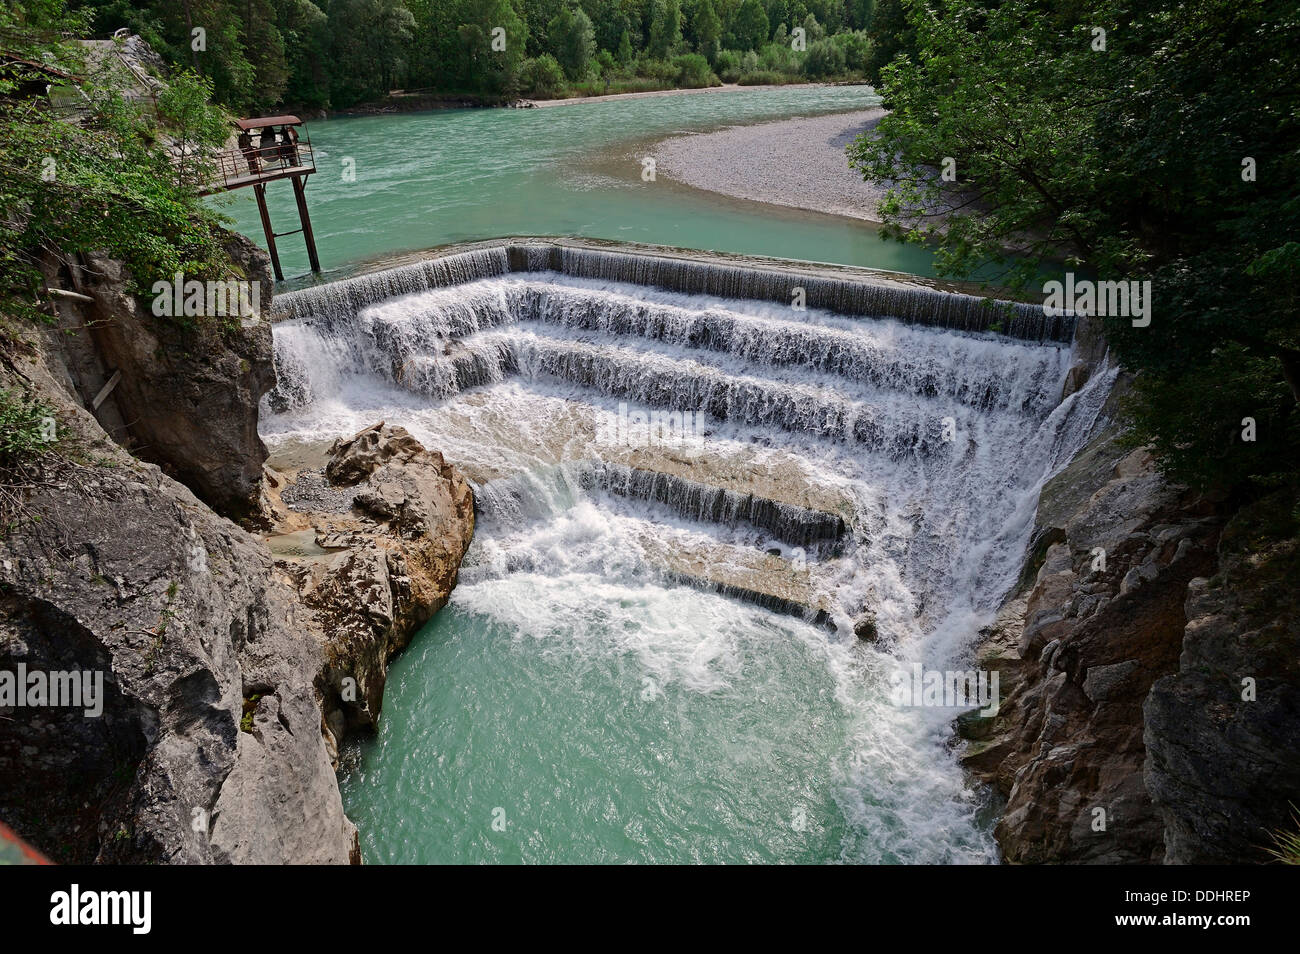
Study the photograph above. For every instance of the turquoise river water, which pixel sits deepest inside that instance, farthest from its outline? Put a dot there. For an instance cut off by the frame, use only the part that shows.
(421, 180)
(588, 695)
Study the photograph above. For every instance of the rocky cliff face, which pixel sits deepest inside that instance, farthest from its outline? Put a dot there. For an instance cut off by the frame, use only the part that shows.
(118, 569)
(1122, 736)
(1223, 732)
(220, 663)
(187, 397)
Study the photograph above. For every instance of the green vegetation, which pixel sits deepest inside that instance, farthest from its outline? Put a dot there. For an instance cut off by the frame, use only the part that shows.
(1167, 149)
(97, 176)
(1286, 844)
(261, 55)
(250, 708)
(27, 429)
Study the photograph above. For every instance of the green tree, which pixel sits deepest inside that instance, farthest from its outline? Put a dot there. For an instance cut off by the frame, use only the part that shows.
(693, 71)
(825, 58)
(494, 41)
(778, 11)
(573, 41)
(625, 51)
(859, 13)
(541, 77)
(1171, 156)
(665, 28)
(708, 29)
(891, 33)
(371, 41)
(105, 183)
(750, 29)
(305, 29)
(194, 124)
(812, 30)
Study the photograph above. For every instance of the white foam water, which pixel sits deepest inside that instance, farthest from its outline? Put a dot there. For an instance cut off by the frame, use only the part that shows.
(921, 449)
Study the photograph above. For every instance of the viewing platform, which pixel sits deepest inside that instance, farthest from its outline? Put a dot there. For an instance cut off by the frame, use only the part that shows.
(270, 148)
(232, 171)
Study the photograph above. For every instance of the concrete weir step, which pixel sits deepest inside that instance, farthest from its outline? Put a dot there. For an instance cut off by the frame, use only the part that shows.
(743, 573)
(720, 482)
(711, 503)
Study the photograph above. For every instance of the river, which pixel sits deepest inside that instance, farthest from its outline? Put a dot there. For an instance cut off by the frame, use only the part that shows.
(391, 184)
(618, 676)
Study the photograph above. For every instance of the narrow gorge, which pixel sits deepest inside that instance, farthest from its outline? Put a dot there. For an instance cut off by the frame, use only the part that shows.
(716, 506)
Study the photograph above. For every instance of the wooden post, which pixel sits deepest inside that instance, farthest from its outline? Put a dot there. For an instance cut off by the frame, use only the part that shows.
(259, 189)
(300, 194)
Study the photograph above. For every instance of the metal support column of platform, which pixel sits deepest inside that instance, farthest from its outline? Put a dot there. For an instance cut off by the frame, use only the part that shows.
(256, 165)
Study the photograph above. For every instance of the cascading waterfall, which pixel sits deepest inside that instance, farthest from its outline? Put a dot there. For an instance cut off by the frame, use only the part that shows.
(664, 451)
(913, 304)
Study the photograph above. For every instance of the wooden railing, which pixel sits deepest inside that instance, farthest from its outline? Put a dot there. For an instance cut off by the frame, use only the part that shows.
(233, 168)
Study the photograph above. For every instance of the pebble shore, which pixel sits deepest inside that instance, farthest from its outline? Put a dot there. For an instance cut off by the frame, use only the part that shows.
(791, 162)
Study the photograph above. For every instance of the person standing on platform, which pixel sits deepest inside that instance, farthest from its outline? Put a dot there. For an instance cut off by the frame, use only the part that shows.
(268, 147)
(249, 153)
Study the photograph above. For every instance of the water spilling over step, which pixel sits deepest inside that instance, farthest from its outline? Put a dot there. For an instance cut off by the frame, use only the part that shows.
(661, 446)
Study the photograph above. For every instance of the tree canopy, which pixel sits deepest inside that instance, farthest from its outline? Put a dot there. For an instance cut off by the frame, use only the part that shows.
(1125, 140)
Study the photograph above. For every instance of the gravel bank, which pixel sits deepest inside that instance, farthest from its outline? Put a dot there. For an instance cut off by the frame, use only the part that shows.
(606, 97)
(792, 162)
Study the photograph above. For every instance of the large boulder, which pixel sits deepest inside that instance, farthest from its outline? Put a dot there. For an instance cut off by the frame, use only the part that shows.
(372, 541)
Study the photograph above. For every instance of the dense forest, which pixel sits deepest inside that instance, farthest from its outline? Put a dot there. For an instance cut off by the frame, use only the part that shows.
(261, 54)
(1127, 140)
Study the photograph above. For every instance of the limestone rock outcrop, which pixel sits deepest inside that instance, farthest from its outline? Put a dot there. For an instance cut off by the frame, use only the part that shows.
(1078, 650)
(1223, 732)
(223, 667)
(118, 569)
(187, 397)
(372, 542)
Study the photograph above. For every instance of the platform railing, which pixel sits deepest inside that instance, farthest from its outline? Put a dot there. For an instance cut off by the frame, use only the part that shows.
(235, 167)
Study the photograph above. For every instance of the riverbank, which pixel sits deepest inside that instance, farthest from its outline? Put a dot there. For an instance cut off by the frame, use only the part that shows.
(760, 162)
(403, 102)
(724, 88)
(463, 175)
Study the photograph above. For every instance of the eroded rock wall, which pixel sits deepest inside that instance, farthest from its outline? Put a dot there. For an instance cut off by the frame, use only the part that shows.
(223, 666)
(187, 396)
(115, 567)
(1123, 735)
(1222, 733)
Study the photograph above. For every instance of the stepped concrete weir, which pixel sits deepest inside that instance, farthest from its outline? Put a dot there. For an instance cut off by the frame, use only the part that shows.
(718, 502)
(845, 290)
(818, 440)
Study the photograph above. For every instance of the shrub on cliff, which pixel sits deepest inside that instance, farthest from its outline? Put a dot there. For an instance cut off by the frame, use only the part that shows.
(26, 429)
(98, 178)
